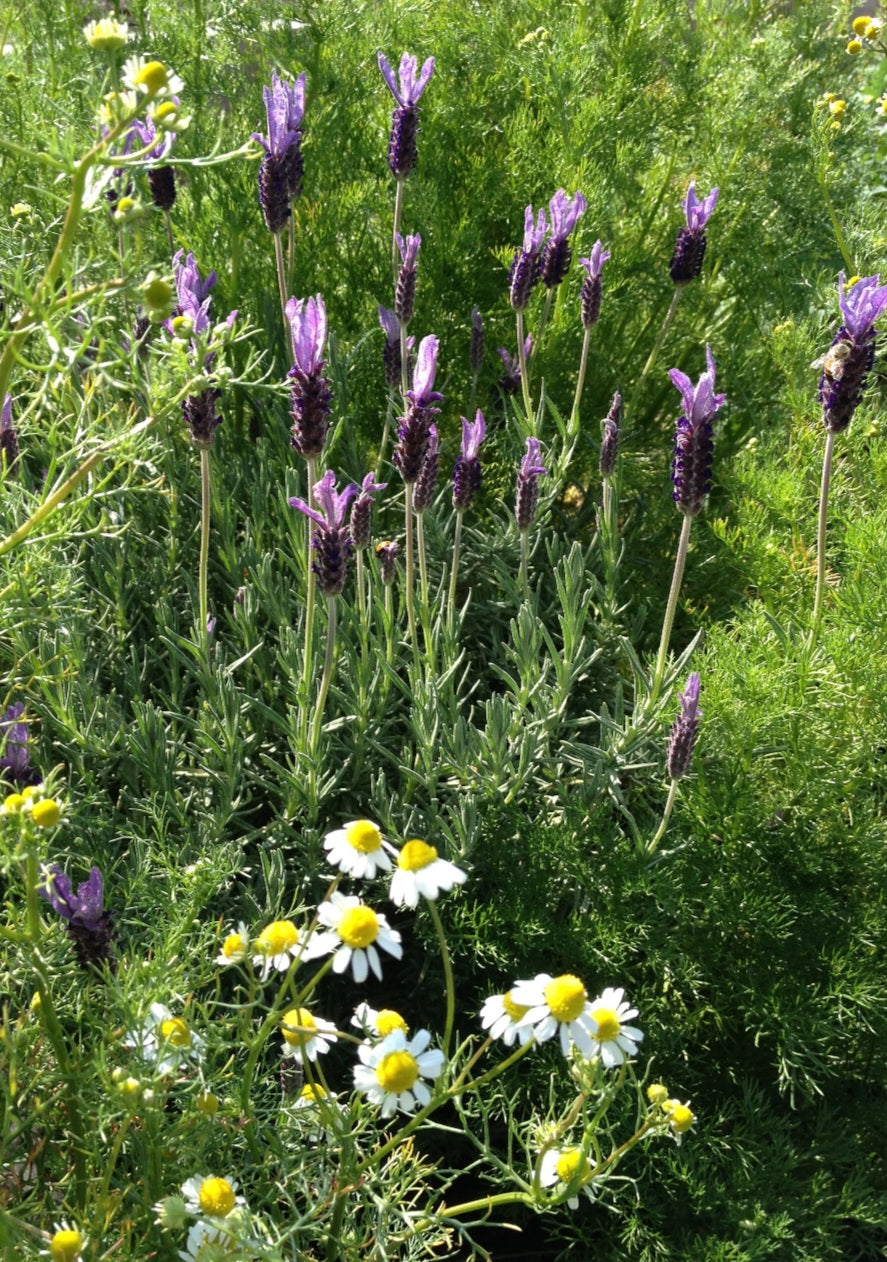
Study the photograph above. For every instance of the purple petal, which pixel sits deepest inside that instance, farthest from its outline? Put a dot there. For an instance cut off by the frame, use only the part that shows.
(426, 366)
(388, 75)
(473, 434)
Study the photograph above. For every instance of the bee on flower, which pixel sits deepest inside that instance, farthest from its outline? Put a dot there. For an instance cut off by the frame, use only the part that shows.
(421, 872)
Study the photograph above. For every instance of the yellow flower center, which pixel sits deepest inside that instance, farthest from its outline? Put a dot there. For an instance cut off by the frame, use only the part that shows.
(860, 25)
(608, 1025)
(569, 1164)
(216, 1197)
(234, 944)
(363, 835)
(681, 1118)
(106, 35)
(14, 803)
(389, 1020)
(65, 1245)
(279, 936)
(657, 1093)
(416, 855)
(514, 1010)
(565, 996)
(46, 814)
(175, 1031)
(153, 77)
(298, 1017)
(207, 1104)
(358, 927)
(397, 1072)
(312, 1092)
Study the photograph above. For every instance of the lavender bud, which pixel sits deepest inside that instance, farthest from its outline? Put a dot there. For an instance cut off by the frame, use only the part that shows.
(406, 89)
(9, 450)
(476, 353)
(294, 166)
(405, 294)
(332, 552)
(412, 443)
(694, 438)
(386, 551)
(361, 511)
(610, 439)
(426, 482)
(528, 485)
(403, 153)
(467, 471)
(311, 399)
(274, 194)
(555, 262)
(689, 251)
(522, 277)
(162, 183)
(199, 410)
(852, 353)
(89, 925)
(683, 733)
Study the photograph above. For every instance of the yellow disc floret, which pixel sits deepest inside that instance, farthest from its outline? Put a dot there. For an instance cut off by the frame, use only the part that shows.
(312, 1092)
(569, 1164)
(416, 855)
(234, 945)
(216, 1197)
(514, 1010)
(65, 1245)
(46, 814)
(657, 1093)
(854, 47)
(363, 835)
(358, 927)
(397, 1072)
(388, 1020)
(153, 77)
(301, 1026)
(681, 1118)
(279, 936)
(176, 1032)
(860, 25)
(607, 1024)
(566, 997)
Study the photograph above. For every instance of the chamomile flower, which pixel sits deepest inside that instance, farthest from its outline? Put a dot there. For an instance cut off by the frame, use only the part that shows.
(563, 1168)
(500, 1017)
(352, 933)
(420, 871)
(165, 1041)
(317, 1108)
(681, 1118)
(359, 849)
(151, 77)
(305, 1035)
(235, 946)
(378, 1024)
(210, 1196)
(214, 1241)
(106, 35)
(615, 1041)
(391, 1072)
(66, 1244)
(556, 1005)
(276, 947)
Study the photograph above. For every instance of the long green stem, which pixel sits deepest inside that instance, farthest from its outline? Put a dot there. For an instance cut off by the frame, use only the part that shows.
(389, 414)
(281, 280)
(454, 571)
(543, 321)
(448, 976)
(408, 576)
(671, 607)
(310, 599)
(580, 384)
(628, 411)
(524, 552)
(821, 533)
(398, 213)
(203, 575)
(653, 843)
(326, 677)
(524, 372)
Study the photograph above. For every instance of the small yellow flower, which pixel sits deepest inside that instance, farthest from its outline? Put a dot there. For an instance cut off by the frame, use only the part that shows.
(151, 77)
(873, 30)
(882, 105)
(159, 297)
(207, 1104)
(66, 1244)
(837, 108)
(20, 209)
(12, 804)
(46, 814)
(126, 210)
(854, 47)
(106, 35)
(657, 1093)
(860, 25)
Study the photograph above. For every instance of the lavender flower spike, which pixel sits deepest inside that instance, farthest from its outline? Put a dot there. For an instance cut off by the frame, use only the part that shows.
(391, 351)
(426, 482)
(467, 471)
(423, 393)
(852, 352)
(311, 395)
(9, 452)
(88, 924)
(689, 250)
(590, 296)
(15, 760)
(528, 485)
(332, 542)
(405, 292)
(413, 433)
(280, 173)
(193, 292)
(161, 179)
(694, 438)
(557, 252)
(525, 265)
(610, 439)
(194, 298)
(510, 381)
(361, 510)
(402, 150)
(683, 733)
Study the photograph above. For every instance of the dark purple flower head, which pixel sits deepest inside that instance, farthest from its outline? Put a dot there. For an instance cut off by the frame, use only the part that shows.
(557, 251)
(610, 439)
(388, 322)
(689, 250)
(426, 482)
(162, 141)
(510, 381)
(405, 290)
(361, 510)
(410, 87)
(694, 437)
(311, 395)
(15, 760)
(391, 351)
(467, 470)
(683, 733)
(386, 551)
(848, 362)
(590, 297)
(414, 428)
(202, 416)
(476, 353)
(331, 542)
(524, 271)
(531, 469)
(9, 452)
(88, 923)
(402, 149)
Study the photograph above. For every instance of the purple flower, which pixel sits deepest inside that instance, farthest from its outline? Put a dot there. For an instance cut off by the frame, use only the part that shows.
(332, 542)
(361, 509)
(525, 265)
(202, 417)
(590, 296)
(689, 250)
(391, 352)
(694, 438)
(88, 923)
(405, 290)
(849, 360)
(610, 439)
(427, 479)
(683, 733)
(15, 760)
(476, 353)
(402, 151)
(9, 452)
(161, 179)
(557, 252)
(311, 395)
(280, 172)
(510, 381)
(528, 485)
(193, 292)
(413, 431)
(467, 471)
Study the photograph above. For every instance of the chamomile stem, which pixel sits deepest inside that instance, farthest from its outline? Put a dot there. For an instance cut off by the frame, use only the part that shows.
(448, 976)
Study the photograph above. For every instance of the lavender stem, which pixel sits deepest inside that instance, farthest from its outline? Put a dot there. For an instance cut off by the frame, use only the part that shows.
(454, 572)
(203, 576)
(281, 276)
(326, 677)
(657, 347)
(524, 377)
(671, 607)
(821, 532)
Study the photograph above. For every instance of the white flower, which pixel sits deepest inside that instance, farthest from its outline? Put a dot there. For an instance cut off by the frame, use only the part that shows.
(151, 77)
(681, 1118)
(165, 1041)
(614, 1041)
(378, 1024)
(106, 35)
(390, 1072)
(420, 871)
(210, 1197)
(235, 947)
(276, 947)
(214, 1242)
(66, 1243)
(556, 1004)
(358, 849)
(306, 1035)
(500, 1016)
(562, 1168)
(319, 1111)
(353, 930)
